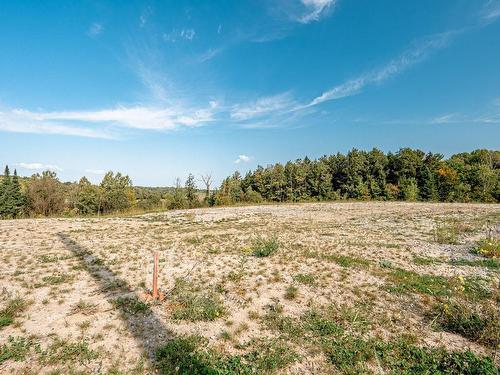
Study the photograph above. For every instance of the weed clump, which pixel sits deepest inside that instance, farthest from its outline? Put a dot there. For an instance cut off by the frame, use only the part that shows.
(191, 355)
(488, 247)
(130, 305)
(16, 349)
(473, 322)
(190, 303)
(447, 231)
(262, 247)
(306, 279)
(13, 308)
(291, 292)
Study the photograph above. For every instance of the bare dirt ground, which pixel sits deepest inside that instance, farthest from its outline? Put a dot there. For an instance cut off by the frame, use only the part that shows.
(82, 282)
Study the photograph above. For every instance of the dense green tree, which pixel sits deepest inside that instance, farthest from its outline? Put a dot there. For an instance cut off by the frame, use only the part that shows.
(116, 193)
(428, 188)
(45, 195)
(87, 197)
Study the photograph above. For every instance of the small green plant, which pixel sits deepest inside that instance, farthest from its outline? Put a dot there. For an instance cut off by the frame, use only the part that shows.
(488, 247)
(319, 324)
(262, 247)
(16, 349)
(306, 279)
(13, 308)
(130, 305)
(57, 279)
(62, 351)
(291, 292)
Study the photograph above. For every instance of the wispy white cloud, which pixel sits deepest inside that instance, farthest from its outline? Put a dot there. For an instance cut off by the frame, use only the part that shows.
(95, 171)
(407, 59)
(490, 116)
(19, 121)
(491, 10)
(315, 9)
(445, 119)
(95, 29)
(209, 54)
(105, 123)
(183, 34)
(242, 159)
(137, 117)
(263, 106)
(39, 166)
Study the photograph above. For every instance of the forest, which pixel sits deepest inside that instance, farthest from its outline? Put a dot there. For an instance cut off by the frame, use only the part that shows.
(406, 175)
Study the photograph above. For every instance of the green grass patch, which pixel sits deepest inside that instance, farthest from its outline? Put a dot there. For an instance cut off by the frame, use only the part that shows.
(475, 322)
(15, 349)
(352, 354)
(262, 247)
(12, 309)
(488, 247)
(130, 305)
(62, 351)
(57, 279)
(403, 281)
(193, 304)
(191, 355)
(306, 279)
(493, 264)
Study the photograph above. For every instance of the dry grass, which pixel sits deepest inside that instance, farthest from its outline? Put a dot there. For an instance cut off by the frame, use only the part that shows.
(282, 288)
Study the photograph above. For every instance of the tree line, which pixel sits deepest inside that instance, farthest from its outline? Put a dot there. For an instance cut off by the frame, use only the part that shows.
(410, 175)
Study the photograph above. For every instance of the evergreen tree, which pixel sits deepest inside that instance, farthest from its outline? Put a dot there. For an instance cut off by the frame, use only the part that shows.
(428, 189)
(16, 197)
(5, 188)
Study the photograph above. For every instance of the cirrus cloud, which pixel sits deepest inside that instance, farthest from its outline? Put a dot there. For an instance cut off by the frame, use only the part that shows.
(39, 166)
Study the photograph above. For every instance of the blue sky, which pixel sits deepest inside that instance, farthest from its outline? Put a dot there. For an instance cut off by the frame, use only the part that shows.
(160, 89)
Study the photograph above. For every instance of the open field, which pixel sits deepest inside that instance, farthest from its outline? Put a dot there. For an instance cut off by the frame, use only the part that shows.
(307, 288)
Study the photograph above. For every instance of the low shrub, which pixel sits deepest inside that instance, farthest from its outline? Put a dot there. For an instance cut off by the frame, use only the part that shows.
(488, 247)
(477, 323)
